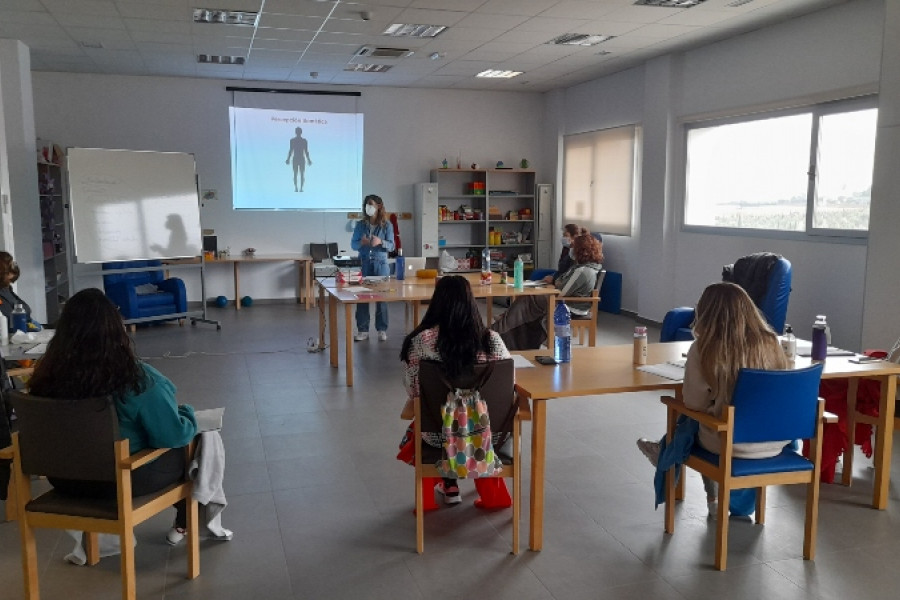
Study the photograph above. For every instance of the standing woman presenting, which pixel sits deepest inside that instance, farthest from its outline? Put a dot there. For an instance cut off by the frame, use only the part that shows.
(373, 237)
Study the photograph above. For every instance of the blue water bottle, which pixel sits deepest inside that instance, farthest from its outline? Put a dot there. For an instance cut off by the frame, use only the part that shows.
(400, 265)
(19, 319)
(819, 339)
(562, 347)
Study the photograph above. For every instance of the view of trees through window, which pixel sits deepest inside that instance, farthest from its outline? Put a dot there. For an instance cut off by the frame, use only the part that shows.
(770, 173)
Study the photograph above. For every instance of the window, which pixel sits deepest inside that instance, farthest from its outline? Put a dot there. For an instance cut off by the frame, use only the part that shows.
(807, 170)
(598, 179)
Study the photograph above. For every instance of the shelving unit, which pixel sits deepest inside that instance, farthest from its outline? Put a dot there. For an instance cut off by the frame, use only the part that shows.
(54, 235)
(499, 200)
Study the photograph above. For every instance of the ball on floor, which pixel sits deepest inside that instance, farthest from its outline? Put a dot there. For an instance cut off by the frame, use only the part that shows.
(246, 301)
(221, 301)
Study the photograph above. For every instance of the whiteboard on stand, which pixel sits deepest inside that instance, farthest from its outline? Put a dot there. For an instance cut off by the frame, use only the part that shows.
(131, 205)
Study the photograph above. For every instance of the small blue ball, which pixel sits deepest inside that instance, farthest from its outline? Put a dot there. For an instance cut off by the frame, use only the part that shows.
(246, 301)
(221, 301)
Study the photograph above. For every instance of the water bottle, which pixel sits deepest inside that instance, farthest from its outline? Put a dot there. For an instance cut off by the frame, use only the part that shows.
(819, 338)
(562, 347)
(19, 318)
(789, 343)
(400, 265)
(519, 274)
(640, 345)
(486, 266)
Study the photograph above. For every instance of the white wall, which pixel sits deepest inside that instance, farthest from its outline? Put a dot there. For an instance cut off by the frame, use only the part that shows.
(824, 55)
(407, 133)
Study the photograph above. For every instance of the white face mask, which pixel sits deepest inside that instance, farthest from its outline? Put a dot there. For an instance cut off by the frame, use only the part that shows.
(566, 242)
(371, 209)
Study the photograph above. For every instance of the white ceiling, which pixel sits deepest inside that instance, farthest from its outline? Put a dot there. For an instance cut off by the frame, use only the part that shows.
(294, 38)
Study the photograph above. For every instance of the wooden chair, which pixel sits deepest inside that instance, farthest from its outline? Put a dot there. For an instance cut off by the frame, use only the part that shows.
(587, 325)
(499, 394)
(765, 406)
(80, 440)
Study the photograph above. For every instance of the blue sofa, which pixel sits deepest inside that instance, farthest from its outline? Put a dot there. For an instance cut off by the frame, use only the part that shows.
(136, 302)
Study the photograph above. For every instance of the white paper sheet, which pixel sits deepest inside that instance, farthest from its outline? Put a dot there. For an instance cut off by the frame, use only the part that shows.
(669, 371)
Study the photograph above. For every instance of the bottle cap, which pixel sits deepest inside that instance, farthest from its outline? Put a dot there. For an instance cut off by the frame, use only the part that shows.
(640, 330)
(788, 328)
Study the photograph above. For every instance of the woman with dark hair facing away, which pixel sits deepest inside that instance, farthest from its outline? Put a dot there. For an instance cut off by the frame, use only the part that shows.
(523, 325)
(730, 334)
(453, 333)
(373, 237)
(91, 355)
(569, 232)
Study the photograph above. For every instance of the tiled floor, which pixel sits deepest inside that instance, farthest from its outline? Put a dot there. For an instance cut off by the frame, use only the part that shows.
(320, 508)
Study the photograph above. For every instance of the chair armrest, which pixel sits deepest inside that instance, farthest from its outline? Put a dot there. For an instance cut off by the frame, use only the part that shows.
(8, 453)
(143, 457)
(409, 410)
(524, 403)
(701, 417)
(829, 417)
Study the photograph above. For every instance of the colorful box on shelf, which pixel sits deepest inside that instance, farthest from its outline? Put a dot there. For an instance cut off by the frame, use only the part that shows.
(476, 187)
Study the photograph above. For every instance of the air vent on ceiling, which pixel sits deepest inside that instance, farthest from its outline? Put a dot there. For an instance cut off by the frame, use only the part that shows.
(215, 59)
(378, 52)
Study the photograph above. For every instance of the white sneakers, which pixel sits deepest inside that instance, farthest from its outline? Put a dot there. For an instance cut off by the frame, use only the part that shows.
(175, 535)
(362, 336)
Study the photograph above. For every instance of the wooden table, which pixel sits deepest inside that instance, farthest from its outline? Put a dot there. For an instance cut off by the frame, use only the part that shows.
(609, 370)
(304, 267)
(411, 290)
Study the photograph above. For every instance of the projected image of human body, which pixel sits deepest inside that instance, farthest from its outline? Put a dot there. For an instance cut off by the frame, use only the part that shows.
(299, 148)
(258, 138)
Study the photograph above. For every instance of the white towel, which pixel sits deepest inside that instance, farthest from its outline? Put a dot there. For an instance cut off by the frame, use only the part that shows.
(207, 470)
(108, 543)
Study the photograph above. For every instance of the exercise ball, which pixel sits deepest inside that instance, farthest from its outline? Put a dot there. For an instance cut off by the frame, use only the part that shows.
(221, 301)
(246, 301)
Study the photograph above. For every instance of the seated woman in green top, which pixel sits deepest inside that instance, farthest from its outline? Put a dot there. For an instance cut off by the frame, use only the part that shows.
(91, 355)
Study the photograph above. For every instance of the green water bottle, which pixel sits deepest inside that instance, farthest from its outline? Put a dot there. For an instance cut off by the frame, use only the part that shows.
(519, 274)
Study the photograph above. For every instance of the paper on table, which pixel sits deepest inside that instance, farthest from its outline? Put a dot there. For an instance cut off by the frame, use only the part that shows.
(667, 370)
(355, 289)
(520, 362)
(209, 419)
(39, 349)
(804, 348)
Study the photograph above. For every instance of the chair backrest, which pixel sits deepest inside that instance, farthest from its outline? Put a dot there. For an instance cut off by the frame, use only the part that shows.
(498, 391)
(320, 252)
(776, 405)
(138, 278)
(600, 277)
(69, 439)
(774, 302)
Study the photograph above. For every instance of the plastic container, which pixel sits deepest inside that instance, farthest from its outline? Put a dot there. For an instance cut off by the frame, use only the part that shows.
(789, 343)
(19, 318)
(640, 345)
(562, 331)
(400, 265)
(486, 267)
(519, 274)
(819, 339)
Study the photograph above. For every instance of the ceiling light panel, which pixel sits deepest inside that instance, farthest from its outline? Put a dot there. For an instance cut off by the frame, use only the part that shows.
(416, 31)
(366, 68)
(225, 17)
(669, 3)
(496, 74)
(580, 39)
(217, 59)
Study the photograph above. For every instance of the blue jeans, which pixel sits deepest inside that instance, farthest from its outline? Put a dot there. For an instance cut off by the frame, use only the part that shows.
(374, 264)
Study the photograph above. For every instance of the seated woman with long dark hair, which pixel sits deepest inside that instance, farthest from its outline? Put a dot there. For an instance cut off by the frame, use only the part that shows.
(453, 333)
(91, 355)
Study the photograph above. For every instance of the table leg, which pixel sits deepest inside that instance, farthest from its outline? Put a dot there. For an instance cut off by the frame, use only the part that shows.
(847, 472)
(348, 342)
(332, 331)
(538, 449)
(307, 275)
(322, 317)
(417, 307)
(884, 442)
(237, 285)
(489, 310)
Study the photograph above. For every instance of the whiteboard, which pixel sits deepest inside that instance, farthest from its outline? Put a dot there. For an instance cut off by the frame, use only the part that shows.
(129, 205)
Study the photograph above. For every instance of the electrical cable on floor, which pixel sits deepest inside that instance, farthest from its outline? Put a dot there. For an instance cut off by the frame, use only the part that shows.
(188, 354)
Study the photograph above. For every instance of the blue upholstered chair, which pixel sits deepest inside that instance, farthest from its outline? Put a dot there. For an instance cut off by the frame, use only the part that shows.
(676, 326)
(766, 406)
(145, 293)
